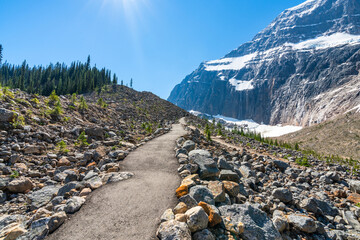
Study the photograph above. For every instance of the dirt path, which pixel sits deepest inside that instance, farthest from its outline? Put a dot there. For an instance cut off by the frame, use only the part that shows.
(130, 209)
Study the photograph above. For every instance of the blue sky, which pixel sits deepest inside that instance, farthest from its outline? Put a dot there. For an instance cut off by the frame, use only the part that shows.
(155, 42)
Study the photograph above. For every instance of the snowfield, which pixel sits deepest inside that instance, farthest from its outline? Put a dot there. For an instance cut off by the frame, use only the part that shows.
(265, 130)
(322, 42)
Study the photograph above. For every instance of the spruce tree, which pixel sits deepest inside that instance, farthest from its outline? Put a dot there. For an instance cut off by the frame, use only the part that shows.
(131, 83)
(1, 50)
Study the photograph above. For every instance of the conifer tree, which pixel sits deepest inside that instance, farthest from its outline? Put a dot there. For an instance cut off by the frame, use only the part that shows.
(1, 50)
(131, 83)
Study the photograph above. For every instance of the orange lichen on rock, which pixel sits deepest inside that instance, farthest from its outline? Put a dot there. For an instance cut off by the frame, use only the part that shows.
(91, 164)
(214, 217)
(181, 191)
(354, 197)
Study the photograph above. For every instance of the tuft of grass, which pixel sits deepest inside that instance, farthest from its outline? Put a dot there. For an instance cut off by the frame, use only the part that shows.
(14, 174)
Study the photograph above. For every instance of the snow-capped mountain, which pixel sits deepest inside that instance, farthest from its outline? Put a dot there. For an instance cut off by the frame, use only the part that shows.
(302, 69)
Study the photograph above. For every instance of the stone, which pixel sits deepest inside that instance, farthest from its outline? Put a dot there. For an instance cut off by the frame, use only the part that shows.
(32, 149)
(12, 233)
(354, 198)
(56, 221)
(214, 216)
(203, 235)
(2, 197)
(181, 191)
(246, 171)
(351, 219)
(74, 204)
(181, 217)
(43, 196)
(223, 164)
(207, 166)
(202, 193)
(189, 145)
(7, 115)
(95, 132)
(167, 215)
(94, 183)
(180, 208)
(229, 175)
(283, 194)
(199, 152)
(70, 176)
(218, 191)
(116, 177)
(309, 204)
(85, 192)
(327, 208)
(172, 230)
(231, 188)
(41, 213)
(302, 223)
(63, 162)
(20, 185)
(354, 186)
(67, 188)
(38, 230)
(189, 201)
(10, 220)
(190, 180)
(281, 165)
(280, 223)
(197, 219)
(249, 222)
(4, 181)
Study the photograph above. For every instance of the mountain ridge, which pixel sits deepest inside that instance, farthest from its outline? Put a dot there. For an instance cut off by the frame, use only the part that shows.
(278, 77)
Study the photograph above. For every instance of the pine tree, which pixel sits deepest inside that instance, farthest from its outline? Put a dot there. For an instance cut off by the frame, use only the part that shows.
(131, 83)
(114, 82)
(1, 50)
(88, 63)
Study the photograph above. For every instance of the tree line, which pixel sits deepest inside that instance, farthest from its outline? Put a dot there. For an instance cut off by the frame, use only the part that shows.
(77, 78)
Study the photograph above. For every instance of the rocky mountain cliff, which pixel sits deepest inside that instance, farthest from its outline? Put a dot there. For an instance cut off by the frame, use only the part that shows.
(302, 69)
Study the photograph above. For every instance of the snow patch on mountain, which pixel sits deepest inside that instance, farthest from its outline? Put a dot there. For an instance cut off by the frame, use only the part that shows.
(302, 5)
(322, 42)
(241, 85)
(229, 63)
(250, 125)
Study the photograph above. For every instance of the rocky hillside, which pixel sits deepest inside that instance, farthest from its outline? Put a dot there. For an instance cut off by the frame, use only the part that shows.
(302, 69)
(340, 136)
(237, 188)
(56, 150)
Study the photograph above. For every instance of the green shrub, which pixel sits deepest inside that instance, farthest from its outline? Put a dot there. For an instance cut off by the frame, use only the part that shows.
(303, 162)
(101, 103)
(53, 98)
(57, 111)
(14, 174)
(62, 147)
(73, 99)
(81, 140)
(83, 105)
(18, 121)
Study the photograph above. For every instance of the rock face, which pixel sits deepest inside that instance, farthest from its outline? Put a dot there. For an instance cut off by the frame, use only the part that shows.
(288, 73)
